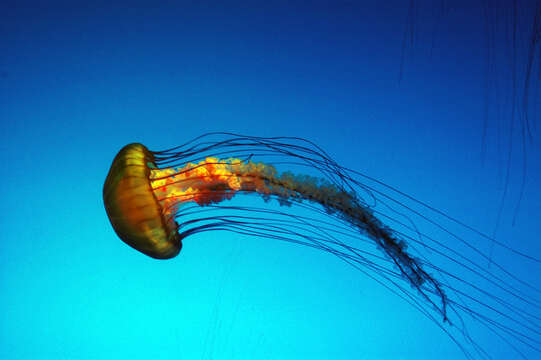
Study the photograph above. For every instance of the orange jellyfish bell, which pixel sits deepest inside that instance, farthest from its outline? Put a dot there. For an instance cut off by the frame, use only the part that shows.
(132, 207)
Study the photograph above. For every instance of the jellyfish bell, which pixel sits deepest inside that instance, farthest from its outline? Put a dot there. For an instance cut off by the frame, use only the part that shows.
(132, 207)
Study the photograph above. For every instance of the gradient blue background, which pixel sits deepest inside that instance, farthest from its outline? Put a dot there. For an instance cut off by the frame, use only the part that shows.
(79, 81)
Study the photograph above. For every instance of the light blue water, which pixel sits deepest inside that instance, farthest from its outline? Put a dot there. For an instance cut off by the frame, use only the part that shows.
(80, 81)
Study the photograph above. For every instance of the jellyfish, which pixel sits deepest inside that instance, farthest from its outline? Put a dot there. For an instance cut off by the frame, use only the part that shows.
(155, 200)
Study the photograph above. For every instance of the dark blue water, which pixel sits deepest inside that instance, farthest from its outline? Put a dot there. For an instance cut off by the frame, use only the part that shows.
(429, 99)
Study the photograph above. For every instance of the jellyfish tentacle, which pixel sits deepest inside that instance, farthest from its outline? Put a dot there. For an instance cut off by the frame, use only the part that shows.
(213, 180)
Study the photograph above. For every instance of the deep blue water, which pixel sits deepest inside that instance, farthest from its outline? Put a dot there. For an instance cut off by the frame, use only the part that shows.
(412, 96)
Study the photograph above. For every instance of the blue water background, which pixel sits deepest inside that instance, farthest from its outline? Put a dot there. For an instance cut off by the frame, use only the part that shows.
(80, 80)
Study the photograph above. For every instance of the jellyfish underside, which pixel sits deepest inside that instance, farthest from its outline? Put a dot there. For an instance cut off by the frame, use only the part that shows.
(146, 192)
